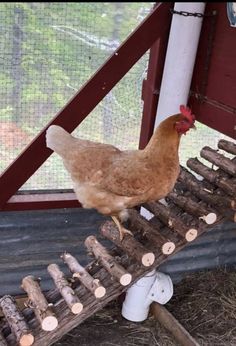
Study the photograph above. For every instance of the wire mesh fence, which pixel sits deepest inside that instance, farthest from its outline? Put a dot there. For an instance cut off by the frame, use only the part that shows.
(48, 50)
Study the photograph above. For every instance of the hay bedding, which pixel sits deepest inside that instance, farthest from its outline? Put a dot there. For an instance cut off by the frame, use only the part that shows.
(204, 303)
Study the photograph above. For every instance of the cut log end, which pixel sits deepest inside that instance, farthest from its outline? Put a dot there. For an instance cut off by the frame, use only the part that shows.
(209, 218)
(148, 259)
(77, 308)
(168, 248)
(26, 340)
(49, 323)
(100, 292)
(125, 279)
(191, 234)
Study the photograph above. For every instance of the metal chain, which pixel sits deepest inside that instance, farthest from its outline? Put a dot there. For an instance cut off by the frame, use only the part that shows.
(187, 14)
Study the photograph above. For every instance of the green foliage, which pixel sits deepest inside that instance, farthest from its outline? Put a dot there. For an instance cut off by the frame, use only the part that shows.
(48, 50)
(61, 45)
(5, 113)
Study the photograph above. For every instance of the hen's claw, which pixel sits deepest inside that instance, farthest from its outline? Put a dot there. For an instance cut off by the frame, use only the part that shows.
(123, 231)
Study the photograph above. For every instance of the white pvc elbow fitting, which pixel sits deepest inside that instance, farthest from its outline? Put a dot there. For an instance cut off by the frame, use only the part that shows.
(154, 287)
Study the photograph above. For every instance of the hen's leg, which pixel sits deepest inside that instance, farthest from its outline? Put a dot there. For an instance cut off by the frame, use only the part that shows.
(122, 230)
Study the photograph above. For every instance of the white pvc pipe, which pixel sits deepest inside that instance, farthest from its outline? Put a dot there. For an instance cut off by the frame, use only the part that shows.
(179, 62)
(154, 286)
(175, 86)
(180, 59)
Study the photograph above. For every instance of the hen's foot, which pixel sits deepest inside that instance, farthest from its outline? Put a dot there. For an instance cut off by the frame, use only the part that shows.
(123, 231)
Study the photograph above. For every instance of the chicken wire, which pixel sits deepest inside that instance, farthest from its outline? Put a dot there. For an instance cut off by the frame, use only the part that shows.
(48, 51)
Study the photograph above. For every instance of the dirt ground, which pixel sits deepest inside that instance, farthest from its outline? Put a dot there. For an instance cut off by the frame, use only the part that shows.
(204, 303)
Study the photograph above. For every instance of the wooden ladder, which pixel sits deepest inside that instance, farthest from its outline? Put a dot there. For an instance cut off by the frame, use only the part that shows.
(194, 206)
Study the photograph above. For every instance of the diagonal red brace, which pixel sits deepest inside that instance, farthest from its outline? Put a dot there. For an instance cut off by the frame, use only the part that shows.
(154, 26)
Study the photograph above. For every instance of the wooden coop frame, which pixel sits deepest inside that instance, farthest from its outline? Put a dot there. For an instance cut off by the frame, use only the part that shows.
(168, 232)
(154, 29)
(205, 100)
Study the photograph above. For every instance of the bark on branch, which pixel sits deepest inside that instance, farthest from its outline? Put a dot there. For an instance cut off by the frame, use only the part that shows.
(129, 244)
(16, 321)
(230, 147)
(79, 272)
(219, 160)
(2, 340)
(137, 222)
(214, 177)
(64, 288)
(193, 208)
(42, 309)
(171, 220)
(221, 203)
(107, 261)
(172, 325)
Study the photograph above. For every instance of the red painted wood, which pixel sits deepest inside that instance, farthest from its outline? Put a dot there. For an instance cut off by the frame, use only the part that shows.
(151, 89)
(87, 98)
(217, 104)
(38, 201)
(151, 86)
(215, 117)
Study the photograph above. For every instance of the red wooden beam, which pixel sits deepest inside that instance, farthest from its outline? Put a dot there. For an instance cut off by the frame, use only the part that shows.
(213, 87)
(214, 114)
(156, 23)
(33, 201)
(151, 87)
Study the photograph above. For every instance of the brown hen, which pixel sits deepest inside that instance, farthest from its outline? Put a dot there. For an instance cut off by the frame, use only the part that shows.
(111, 180)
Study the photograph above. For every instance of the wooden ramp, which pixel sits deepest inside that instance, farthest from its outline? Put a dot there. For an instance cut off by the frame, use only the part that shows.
(197, 202)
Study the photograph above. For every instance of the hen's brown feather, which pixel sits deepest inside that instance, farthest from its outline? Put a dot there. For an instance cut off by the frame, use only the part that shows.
(111, 180)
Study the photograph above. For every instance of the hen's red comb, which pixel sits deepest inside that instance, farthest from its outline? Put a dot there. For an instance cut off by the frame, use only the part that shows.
(187, 113)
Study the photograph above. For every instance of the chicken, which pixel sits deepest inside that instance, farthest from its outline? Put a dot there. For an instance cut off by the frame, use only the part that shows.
(111, 180)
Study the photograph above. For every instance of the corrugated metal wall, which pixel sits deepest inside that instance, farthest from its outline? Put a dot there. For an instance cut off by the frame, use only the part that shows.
(216, 247)
(30, 241)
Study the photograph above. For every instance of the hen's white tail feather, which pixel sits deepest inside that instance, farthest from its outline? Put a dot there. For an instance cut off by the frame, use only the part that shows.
(58, 139)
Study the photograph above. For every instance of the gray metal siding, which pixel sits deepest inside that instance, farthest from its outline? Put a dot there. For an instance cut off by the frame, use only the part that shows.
(30, 241)
(217, 247)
